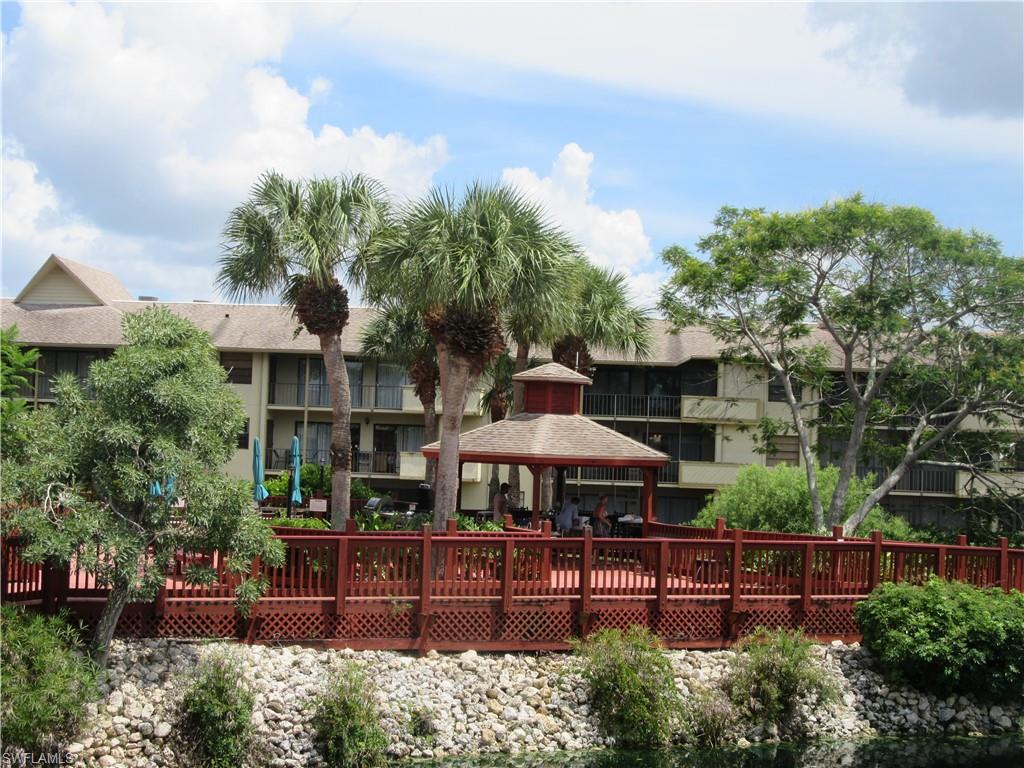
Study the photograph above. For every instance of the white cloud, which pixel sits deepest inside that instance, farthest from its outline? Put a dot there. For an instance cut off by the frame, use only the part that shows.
(150, 122)
(613, 239)
(769, 59)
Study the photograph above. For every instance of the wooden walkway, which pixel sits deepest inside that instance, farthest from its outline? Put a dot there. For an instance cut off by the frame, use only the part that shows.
(527, 590)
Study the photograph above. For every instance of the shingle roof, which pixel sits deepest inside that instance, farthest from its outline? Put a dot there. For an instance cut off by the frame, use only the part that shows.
(552, 372)
(105, 285)
(554, 439)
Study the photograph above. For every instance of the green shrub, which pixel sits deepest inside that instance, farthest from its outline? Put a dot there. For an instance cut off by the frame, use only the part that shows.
(947, 637)
(280, 485)
(217, 713)
(347, 724)
(422, 723)
(360, 490)
(300, 522)
(47, 679)
(777, 499)
(468, 523)
(708, 719)
(771, 672)
(632, 687)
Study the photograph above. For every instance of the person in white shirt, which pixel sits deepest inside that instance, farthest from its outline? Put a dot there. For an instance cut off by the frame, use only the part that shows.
(569, 514)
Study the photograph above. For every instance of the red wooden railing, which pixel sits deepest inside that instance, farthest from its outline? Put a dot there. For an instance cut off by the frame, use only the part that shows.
(521, 589)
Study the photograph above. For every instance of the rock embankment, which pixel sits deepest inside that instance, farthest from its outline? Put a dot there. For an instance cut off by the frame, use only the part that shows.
(472, 702)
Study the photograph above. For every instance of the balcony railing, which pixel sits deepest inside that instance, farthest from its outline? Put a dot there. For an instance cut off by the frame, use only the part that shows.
(631, 406)
(922, 479)
(667, 474)
(319, 396)
(363, 462)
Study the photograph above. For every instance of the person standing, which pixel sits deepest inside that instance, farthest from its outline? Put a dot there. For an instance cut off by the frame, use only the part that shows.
(602, 526)
(499, 504)
(568, 515)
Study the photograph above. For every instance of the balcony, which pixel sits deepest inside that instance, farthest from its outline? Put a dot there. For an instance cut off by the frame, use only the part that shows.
(920, 479)
(630, 406)
(363, 462)
(667, 474)
(366, 397)
(708, 474)
(725, 410)
(1011, 482)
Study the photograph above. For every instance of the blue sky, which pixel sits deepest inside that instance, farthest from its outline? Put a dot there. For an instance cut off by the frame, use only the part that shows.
(130, 131)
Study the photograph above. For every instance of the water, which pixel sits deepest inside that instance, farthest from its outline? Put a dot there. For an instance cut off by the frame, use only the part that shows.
(1005, 752)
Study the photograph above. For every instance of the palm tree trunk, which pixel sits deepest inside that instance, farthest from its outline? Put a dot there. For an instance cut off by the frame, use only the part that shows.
(518, 397)
(116, 601)
(341, 434)
(429, 432)
(457, 380)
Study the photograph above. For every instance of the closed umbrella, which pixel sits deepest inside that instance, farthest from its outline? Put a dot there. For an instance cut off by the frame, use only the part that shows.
(259, 491)
(296, 499)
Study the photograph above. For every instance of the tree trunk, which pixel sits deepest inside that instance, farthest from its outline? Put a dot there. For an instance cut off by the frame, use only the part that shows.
(547, 488)
(341, 434)
(847, 466)
(116, 601)
(457, 380)
(518, 397)
(429, 433)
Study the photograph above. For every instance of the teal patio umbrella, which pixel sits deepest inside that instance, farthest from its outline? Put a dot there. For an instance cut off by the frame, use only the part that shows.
(296, 499)
(259, 491)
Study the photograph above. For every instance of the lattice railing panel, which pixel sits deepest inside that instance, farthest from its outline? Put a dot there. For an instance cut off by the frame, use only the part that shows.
(699, 623)
(296, 626)
(831, 620)
(536, 626)
(775, 617)
(381, 626)
(619, 618)
(462, 625)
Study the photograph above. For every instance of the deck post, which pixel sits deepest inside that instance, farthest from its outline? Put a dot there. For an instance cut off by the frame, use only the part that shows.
(545, 553)
(453, 526)
(536, 472)
(940, 562)
(341, 575)
(661, 575)
(586, 564)
(735, 577)
(959, 561)
(647, 498)
(507, 574)
(1004, 563)
(350, 526)
(806, 583)
(425, 571)
(719, 527)
(875, 566)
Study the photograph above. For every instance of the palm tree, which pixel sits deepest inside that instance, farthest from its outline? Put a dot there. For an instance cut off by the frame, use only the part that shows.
(460, 262)
(398, 335)
(291, 238)
(601, 315)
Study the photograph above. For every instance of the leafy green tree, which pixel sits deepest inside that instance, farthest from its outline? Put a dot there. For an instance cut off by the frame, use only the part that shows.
(100, 477)
(924, 323)
(461, 263)
(291, 238)
(17, 367)
(777, 499)
(398, 335)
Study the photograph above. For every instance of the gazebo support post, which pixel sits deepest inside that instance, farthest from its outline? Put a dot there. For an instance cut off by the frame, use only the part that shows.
(536, 471)
(647, 498)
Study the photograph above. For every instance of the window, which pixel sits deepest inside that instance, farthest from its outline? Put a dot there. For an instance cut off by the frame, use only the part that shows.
(699, 378)
(390, 380)
(785, 450)
(317, 444)
(243, 437)
(355, 382)
(238, 365)
(663, 382)
(411, 438)
(776, 389)
(696, 442)
(611, 381)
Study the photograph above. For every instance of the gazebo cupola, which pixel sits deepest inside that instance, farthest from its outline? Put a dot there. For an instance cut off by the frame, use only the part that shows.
(552, 388)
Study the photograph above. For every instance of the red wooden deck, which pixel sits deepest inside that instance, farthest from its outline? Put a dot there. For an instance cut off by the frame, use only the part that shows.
(527, 590)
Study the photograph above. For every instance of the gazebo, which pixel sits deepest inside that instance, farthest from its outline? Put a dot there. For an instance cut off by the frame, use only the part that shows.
(551, 433)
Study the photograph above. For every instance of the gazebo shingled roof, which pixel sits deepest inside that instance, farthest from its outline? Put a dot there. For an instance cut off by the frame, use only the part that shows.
(554, 434)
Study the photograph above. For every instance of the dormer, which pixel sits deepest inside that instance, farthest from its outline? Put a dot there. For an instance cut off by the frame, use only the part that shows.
(66, 283)
(552, 388)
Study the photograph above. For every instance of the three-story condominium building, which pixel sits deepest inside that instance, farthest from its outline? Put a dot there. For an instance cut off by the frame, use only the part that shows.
(683, 401)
